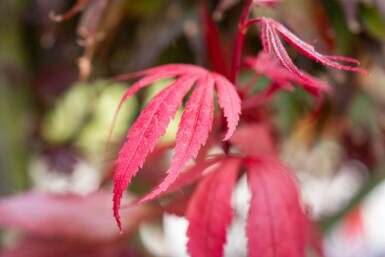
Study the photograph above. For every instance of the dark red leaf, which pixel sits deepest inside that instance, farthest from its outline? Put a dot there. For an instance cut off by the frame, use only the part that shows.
(214, 47)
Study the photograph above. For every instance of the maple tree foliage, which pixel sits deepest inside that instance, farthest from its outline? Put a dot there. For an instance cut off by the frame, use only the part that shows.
(220, 114)
(194, 127)
(281, 78)
(276, 224)
(272, 44)
(210, 212)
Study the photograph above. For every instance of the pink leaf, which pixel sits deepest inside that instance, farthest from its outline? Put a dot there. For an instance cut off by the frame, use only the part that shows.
(192, 174)
(261, 143)
(210, 212)
(85, 218)
(282, 76)
(52, 247)
(229, 102)
(153, 75)
(185, 178)
(194, 128)
(270, 38)
(196, 122)
(144, 134)
(275, 224)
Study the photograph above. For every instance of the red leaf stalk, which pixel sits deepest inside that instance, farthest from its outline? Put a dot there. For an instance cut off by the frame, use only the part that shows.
(242, 28)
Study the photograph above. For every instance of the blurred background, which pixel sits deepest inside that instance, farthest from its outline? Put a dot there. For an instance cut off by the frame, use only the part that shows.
(57, 105)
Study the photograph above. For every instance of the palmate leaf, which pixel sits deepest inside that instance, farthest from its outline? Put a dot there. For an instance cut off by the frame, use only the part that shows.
(193, 131)
(276, 225)
(271, 43)
(266, 65)
(194, 127)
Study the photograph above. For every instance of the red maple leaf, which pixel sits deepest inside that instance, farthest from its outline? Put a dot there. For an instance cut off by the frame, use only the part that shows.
(270, 31)
(195, 125)
(210, 211)
(281, 78)
(276, 225)
(265, 65)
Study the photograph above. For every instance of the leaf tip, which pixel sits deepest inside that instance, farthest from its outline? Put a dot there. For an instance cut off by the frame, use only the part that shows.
(116, 206)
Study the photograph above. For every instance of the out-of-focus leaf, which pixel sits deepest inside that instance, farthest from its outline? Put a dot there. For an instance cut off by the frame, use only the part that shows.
(69, 115)
(145, 8)
(94, 134)
(362, 104)
(350, 8)
(84, 218)
(13, 150)
(275, 224)
(261, 143)
(210, 211)
(14, 99)
(43, 247)
(214, 45)
(340, 27)
(84, 114)
(372, 21)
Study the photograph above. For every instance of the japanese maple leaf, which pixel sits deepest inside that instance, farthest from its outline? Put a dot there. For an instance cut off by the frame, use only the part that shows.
(271, 42)
(261, 143)
(194, 127)
(276, 225)
(68, 216)
(210, 211)
(264, 64)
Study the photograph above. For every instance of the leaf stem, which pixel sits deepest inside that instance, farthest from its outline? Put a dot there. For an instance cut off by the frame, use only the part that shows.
(242, 28)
